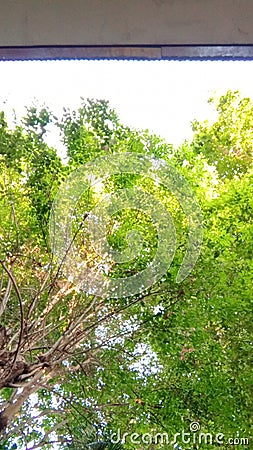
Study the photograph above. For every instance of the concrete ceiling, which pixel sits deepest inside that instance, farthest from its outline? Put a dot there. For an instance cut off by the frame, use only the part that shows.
(142, 26)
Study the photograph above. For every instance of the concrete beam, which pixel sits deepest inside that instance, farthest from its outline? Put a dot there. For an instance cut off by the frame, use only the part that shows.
(127, 23)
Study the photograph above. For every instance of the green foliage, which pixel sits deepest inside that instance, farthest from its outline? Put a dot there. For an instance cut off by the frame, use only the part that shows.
(227, 143)
(155, 362)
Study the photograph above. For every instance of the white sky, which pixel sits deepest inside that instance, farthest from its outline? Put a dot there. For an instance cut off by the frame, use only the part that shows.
(163, 96)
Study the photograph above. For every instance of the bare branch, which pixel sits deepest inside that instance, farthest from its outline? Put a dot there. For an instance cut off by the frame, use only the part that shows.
(11, 277)
(6, 297)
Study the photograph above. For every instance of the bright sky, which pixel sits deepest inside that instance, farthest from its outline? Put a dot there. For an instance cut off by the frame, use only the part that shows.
(163, 96)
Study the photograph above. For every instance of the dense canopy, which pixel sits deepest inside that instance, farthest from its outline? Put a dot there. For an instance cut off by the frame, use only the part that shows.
(79, 370)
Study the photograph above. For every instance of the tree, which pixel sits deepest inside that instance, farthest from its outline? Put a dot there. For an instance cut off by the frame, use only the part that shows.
(227, 143)
(75, 368)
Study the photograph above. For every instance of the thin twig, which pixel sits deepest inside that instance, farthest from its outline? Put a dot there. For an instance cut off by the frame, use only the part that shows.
(10, 275)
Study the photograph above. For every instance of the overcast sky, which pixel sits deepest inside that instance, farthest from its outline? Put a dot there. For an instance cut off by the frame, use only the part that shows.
(163, 96)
